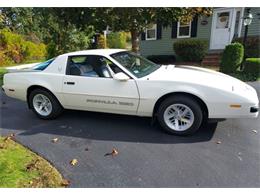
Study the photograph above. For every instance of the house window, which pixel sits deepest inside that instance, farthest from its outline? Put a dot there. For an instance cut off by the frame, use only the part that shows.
(150, 33)
(184, 29)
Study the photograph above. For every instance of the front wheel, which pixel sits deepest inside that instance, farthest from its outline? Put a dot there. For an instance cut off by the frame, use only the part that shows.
(180, 115)
(44, 104)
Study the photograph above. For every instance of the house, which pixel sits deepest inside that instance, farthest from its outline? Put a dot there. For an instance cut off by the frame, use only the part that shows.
(219, 29)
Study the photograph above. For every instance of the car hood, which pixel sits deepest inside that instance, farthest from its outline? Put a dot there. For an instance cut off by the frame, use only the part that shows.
(196, 75)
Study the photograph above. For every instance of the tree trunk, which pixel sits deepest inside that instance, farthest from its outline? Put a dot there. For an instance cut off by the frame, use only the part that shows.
(135, 40)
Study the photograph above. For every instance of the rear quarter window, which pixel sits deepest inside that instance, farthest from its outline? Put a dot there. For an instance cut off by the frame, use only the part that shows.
(43, 65)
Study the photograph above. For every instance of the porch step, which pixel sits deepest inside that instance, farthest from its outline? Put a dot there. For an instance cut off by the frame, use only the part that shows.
(212, 59)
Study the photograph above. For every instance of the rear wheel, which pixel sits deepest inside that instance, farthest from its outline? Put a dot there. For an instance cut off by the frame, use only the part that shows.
(44, 104)
(180, 115)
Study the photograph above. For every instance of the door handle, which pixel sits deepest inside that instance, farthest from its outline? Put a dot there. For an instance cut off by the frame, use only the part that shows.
(69, 83)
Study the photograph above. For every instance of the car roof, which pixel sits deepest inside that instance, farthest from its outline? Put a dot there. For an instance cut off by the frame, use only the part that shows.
(95, 52)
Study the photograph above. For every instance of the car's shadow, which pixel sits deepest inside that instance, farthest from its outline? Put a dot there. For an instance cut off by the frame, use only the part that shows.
(90, 125)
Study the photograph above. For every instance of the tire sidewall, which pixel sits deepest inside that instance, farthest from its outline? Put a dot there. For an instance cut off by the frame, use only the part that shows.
(189, 102)
(56, 107)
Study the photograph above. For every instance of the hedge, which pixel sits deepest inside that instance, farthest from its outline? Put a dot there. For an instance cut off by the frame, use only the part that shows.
(252, 46)
(252, 66)
(15, 49)
(232, 57)
(191, 50)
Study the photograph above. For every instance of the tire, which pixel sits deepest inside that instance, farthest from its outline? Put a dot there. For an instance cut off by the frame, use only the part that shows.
(50, 101)
(170, 116)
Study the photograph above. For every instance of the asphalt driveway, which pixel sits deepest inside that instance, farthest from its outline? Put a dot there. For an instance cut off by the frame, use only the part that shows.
(227, 155)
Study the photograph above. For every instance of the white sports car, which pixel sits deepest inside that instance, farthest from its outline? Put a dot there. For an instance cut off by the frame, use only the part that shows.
(181, 98)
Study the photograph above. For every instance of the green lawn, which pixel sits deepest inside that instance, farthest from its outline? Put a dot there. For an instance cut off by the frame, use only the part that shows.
(19, 167)
(2, 72)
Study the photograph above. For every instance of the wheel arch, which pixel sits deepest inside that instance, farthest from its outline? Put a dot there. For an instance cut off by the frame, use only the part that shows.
(33, 87)
(202, 104)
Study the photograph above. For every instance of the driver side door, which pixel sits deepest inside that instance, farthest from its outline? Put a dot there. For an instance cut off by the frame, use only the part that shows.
(86, 86)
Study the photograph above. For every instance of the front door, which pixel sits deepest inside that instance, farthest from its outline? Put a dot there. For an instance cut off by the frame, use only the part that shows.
(222, 28)
(88, 85)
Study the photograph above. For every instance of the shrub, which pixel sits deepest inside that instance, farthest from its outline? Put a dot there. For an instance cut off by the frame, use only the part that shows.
(34, 51)
(101, 42)
(232, 57)
(15, 49)
(162, 59)
(4, 59)
(191, 50)
(117, 40)
(252, 66)
(252, 46)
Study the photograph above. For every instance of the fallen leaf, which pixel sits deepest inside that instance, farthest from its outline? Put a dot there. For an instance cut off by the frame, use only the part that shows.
(74, 162)
(65, 182)
(113, 153)
(32, 165)
(54, 140)
(255, 131)
(218, 142)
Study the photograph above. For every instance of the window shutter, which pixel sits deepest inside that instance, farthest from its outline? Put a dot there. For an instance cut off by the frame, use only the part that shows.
(174, 29)
(159, 30)
(143, 36)
(194, 25)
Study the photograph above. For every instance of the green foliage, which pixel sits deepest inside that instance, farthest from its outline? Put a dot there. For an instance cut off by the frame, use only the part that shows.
(252, 46)
(2, 72)
(68, 39)
(162, 59)
(252, 66)
(15, 49)
(232, 57)
(245, 76)
(191, 50)
(117, 40)
(70, 29)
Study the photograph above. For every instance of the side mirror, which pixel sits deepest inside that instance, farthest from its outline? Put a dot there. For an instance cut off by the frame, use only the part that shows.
(121, 76)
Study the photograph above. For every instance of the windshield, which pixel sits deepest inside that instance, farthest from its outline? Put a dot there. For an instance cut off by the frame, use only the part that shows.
(136, 64)
(43, 65)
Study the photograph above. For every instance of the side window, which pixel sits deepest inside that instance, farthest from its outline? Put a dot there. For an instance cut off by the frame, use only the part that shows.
(89, 66)
(43, 65)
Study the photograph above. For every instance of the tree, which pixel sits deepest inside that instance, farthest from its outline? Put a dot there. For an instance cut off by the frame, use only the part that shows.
(64, 28)
(136, 20)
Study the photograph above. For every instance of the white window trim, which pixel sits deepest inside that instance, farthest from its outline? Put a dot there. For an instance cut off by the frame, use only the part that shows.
(150, 39)
(178, 29)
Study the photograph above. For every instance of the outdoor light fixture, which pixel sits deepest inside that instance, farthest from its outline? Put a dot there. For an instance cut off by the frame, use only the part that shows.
(247, 21)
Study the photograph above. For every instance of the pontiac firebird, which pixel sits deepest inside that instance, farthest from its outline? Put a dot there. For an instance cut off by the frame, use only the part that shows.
(180, 98)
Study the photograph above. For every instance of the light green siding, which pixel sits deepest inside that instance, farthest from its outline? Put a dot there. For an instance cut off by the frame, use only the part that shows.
(164, 46)
(203, 31)
(254, 27)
